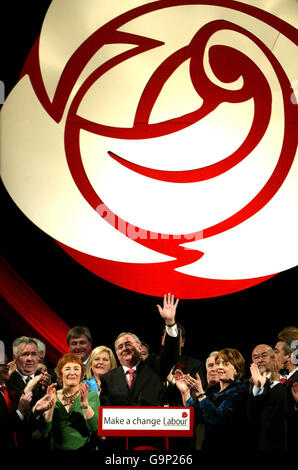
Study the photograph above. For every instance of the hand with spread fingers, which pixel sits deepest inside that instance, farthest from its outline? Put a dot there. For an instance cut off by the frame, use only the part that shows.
(258, 378)
(24, 402)
(182, 385)
(194, 384)
(168, 311)
(33, 383)
(47, 402)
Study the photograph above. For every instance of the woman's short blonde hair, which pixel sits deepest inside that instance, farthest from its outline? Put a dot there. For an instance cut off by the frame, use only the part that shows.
(94, 353)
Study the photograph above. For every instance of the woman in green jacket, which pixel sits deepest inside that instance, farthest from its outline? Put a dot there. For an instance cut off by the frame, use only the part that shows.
(71, 420)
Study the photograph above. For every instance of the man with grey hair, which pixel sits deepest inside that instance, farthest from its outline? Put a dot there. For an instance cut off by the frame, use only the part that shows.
(136, 382)
(211, 369)
(26, 378)
(25, 358)
(141, 383)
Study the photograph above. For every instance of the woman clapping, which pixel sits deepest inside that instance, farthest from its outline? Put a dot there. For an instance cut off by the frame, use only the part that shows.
(71, 420)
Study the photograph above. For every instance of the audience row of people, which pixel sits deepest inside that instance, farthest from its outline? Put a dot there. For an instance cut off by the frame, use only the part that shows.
(58, 408)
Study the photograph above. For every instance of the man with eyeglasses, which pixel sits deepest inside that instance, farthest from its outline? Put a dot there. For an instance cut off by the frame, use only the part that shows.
(271, 401)
(263, 357)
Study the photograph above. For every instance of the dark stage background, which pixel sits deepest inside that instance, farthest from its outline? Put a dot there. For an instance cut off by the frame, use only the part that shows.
(239, 320)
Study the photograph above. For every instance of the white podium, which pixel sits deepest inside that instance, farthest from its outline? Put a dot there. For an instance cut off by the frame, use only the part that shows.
(144, 421)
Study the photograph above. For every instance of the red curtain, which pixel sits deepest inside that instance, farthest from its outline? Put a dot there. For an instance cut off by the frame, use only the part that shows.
(29, 315)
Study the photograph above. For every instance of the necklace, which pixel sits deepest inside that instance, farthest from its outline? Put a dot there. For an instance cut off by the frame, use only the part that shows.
(69, 399)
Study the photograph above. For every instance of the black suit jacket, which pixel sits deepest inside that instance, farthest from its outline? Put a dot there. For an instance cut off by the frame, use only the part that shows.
(27, 434)
(147, 388)
(274, 418)
(17, 385)
(188, 365)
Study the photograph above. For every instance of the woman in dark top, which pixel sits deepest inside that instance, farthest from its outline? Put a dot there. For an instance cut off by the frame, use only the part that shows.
(222, 407)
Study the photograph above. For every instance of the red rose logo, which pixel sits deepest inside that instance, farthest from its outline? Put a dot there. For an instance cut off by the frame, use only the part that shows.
(157, 144)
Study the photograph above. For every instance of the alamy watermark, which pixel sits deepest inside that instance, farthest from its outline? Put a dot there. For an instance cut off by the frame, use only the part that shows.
(136, 233)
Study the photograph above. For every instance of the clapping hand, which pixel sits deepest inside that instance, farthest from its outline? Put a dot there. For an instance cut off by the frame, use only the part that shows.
(48, 401)
(182, 385)
(45, 379)
(33, 383)
(24, 403)
(256, 376)
(84, 392)
(194, 384)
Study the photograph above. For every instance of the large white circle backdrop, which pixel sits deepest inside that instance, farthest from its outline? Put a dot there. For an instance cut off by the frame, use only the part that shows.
(157, 141)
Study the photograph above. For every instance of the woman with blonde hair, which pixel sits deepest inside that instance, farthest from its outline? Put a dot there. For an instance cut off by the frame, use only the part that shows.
(101, 361)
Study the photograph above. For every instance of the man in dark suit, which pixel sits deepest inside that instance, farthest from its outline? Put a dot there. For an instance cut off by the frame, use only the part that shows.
(136, 382)
(187, 364)
(147, 387)
(276, 403)
(26, 378)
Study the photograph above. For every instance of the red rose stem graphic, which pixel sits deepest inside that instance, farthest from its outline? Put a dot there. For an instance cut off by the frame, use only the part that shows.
(151, 278)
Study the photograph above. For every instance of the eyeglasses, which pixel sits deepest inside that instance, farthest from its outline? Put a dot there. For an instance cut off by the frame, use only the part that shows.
(261, 356)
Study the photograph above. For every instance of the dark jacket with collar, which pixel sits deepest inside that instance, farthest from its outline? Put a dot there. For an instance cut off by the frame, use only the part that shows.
(27, 434)
(147, 388)
(188, 365)
(17, 385)
(275, 417)
(224, 416)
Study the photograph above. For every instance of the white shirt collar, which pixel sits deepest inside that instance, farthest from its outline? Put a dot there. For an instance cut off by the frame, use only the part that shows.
(125, 368)
(24, 377)
(291, 373)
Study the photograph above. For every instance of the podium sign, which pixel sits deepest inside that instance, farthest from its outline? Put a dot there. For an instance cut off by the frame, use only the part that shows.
(145, 421)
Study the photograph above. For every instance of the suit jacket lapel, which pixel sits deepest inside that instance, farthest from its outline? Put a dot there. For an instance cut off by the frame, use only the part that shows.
(136, 386)
(122, 382)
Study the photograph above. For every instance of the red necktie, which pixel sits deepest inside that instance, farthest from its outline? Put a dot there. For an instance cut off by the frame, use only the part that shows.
(131, 374)
(6, 398)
